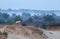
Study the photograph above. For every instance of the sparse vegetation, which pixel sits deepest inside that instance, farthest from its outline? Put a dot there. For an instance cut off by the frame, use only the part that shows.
(5, 33)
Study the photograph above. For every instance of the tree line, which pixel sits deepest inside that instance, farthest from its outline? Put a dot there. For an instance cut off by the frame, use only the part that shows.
(28, 19)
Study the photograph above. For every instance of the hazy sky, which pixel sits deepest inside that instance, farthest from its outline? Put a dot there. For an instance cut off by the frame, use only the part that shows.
(31, 4)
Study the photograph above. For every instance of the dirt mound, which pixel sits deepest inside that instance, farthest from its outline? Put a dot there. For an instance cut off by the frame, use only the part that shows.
(27, 31)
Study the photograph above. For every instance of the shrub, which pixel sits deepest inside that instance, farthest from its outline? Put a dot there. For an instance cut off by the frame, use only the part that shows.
(9, 22)
(44, 26)
(5, 33)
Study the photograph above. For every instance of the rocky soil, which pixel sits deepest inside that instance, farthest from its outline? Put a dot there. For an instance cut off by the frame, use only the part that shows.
(23, 32)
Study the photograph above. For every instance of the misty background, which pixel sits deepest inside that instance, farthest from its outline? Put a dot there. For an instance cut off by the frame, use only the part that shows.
(30, 4)
(40, 13)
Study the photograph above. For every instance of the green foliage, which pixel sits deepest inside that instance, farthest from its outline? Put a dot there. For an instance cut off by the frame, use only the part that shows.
(5, 33)
(17, 18)
(44, 26)
(5, 15)
(26, 18)
(30, 19)
(7, 19)
(49, 18)
(2, 21)
(36, 16)
(9, 22)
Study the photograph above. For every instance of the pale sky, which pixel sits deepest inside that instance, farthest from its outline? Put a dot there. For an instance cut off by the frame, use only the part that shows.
(31, 4)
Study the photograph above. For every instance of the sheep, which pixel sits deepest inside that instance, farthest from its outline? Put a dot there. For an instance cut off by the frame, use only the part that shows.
(18, 22)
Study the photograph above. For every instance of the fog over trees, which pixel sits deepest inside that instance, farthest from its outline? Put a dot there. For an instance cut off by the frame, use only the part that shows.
(38, 20)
